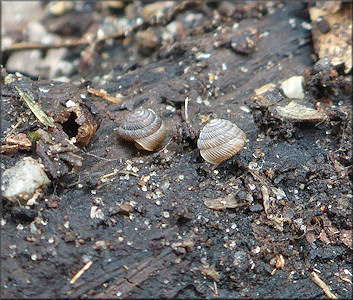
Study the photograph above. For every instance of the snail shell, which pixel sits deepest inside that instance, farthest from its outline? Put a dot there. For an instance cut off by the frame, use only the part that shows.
(220, 140)
(143, 127)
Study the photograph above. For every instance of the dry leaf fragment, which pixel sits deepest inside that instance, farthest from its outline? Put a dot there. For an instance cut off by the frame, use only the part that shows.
(36, 109)
(223, 203)
(299, 113)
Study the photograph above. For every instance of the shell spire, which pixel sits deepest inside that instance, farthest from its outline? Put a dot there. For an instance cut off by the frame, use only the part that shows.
(144, 127)
(219, 140)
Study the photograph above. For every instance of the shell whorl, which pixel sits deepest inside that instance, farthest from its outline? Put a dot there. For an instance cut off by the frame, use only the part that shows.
(144, 127)
(219, 140)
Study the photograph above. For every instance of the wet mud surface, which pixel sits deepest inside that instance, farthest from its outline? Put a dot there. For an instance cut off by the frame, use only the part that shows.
(141, 217)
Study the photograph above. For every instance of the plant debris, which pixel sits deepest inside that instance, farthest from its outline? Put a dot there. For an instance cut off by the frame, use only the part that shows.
(57, 152)
(79, 123)
(296, 112)
(15, 142)
(36, 109)
(230, 201)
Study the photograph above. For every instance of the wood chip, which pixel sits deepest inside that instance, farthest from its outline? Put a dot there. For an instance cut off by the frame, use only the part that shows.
(245, 41)
(126, 208)
(208, 270)
(21, 140)
(336, 43)
(280, 261)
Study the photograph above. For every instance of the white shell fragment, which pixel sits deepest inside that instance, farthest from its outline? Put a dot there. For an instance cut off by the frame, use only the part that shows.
(293, 87)
(144, 127)
(26, 181)
(220, 140)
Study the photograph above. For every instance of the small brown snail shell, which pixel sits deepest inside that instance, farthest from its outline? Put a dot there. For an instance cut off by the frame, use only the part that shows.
(144, 127)
(219, 140)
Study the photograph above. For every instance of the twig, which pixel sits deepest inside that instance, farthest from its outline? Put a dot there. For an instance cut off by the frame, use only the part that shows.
(13, 129)
(186, 110)
(24, 46)
(165, 146)
(214, 289)
(322, 285)
(79, 273)
(117, 172)
(103, 94)
(127, 173)
(346, 280)
(99, 157)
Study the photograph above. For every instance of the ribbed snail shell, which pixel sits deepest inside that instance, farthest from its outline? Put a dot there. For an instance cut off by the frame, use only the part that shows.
(220, 140)
(143, 127)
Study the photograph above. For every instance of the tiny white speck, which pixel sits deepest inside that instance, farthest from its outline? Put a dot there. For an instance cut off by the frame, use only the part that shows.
(236, 25)
(43, 90)
(307, 25)
(292, 22)
(244, 70)
(70, 103)
(245, 109)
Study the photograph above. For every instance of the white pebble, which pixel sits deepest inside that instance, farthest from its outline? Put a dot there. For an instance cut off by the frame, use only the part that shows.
(25, 181)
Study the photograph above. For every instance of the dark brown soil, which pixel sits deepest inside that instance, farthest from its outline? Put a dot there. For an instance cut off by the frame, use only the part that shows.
(155, 237)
